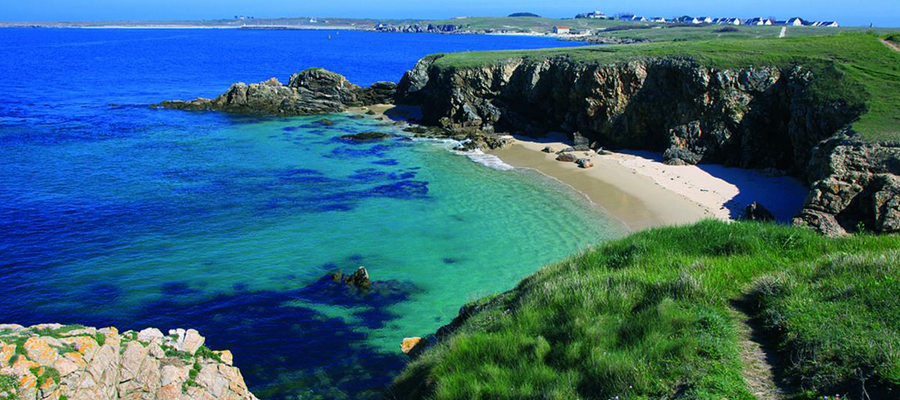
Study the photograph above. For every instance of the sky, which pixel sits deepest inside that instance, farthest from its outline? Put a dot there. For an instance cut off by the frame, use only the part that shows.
(884, 13)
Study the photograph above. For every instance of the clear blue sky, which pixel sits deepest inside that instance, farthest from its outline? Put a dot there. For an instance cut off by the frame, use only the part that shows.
(859, 12)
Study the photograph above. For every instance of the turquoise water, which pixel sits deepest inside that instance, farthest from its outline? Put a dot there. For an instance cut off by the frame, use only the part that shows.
(122, 215)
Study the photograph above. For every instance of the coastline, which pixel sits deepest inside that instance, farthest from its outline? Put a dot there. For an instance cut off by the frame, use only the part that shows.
(636, 200)
(642, 192)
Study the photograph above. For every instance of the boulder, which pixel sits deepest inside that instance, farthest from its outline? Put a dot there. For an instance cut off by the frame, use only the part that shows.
(547, 149)
(566, 150)
(407, 345)
(585, 163)
(566, 157)
(756, 212)
(359, 279)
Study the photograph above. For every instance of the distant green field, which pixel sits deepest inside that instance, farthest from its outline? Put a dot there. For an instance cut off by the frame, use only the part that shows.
(651, 30)
(855, 67)
(656, 316)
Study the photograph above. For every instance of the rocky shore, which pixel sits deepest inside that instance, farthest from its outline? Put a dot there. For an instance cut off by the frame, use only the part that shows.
(765, 118)
(310, 92)
(755, 117)
(72, 362)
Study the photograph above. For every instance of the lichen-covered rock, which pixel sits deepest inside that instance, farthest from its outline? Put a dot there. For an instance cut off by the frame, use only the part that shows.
(78, 363)
(313, 91)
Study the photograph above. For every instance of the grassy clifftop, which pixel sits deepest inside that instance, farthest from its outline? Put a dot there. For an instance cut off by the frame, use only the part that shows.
(856, 67)
(658, 315)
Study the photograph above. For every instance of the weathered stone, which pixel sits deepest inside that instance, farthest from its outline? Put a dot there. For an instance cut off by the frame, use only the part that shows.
(566, 157)
(150, 335)
(360, 279)
(408, 344)
(585, 163)
(547, 149)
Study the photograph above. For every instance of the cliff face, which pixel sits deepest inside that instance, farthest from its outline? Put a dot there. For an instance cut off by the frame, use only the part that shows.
(52, 362)
(314, 91)
(763, 117)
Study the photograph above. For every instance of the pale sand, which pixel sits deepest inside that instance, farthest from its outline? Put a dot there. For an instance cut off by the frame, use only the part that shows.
(643, 193)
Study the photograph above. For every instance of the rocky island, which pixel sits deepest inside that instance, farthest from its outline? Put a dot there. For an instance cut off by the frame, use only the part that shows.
(73, 362)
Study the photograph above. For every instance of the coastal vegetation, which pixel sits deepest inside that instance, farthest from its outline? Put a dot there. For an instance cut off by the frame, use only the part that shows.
(656, 315)
(854, 67)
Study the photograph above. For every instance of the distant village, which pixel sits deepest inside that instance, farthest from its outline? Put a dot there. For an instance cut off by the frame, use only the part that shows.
(796, 21)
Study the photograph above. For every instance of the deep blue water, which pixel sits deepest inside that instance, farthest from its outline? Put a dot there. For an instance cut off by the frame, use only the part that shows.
(112, 213)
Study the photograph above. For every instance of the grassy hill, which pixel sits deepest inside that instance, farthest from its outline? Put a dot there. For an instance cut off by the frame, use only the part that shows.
(856, 67)
(658, 315)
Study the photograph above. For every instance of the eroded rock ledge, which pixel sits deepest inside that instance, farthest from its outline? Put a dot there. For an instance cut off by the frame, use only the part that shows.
(53, 362)
(754, 117)
(310, 92)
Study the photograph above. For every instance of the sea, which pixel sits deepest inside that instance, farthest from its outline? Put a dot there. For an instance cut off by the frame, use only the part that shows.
(116, 214)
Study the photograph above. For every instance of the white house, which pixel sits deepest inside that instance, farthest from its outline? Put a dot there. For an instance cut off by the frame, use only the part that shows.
(561, 30)
(657, 19)
(796, 21)
(759, 21)
(830, 24)
(705, 20)
(638, 19)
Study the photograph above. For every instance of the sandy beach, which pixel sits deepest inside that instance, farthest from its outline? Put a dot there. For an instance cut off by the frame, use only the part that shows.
(638, 189)
(642, 192)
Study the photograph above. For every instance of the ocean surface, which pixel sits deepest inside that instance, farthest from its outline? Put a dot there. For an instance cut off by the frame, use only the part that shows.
(112, 213)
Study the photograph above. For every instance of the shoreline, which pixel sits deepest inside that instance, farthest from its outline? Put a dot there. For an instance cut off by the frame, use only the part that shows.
(635, 187)
(642, 192)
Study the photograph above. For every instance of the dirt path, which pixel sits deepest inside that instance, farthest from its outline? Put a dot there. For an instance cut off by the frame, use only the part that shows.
(890, 44)
(759, 359)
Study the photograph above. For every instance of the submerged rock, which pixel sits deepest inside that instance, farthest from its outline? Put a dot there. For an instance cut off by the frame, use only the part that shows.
(367, 136)
(313, 91)
(75, 362)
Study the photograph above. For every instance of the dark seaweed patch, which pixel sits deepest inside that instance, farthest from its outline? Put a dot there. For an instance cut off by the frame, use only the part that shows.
(389, 162)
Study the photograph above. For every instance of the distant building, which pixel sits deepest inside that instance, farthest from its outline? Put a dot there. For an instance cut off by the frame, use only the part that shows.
(760, 21)
(561, 30)
(830, 24)
(592, 15)
(727, 21)
(626, 17)
(796, 21)
(657, 19)
(705, 20)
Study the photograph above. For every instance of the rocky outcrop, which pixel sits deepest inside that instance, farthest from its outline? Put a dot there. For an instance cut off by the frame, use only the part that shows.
(856, 186)
(313, 91)
(53, 361)
(419, 28)
(753, 117)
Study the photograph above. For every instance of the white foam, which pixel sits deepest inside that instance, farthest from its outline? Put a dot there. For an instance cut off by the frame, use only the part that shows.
(488, 160)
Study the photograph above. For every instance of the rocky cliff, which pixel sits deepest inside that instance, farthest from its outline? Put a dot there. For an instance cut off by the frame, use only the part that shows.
(753, 117)
(56, 362)
(313, 91)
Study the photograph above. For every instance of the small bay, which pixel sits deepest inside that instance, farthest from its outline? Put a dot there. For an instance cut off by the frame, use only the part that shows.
(112, 213)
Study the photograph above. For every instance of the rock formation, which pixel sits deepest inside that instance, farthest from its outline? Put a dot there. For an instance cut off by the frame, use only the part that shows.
(313, 91)
(753, 117)
(53, 362)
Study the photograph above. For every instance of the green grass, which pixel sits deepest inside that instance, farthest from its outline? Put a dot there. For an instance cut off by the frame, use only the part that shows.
(854, 67)
(9, 384)
(645, 317)
(839, 319)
